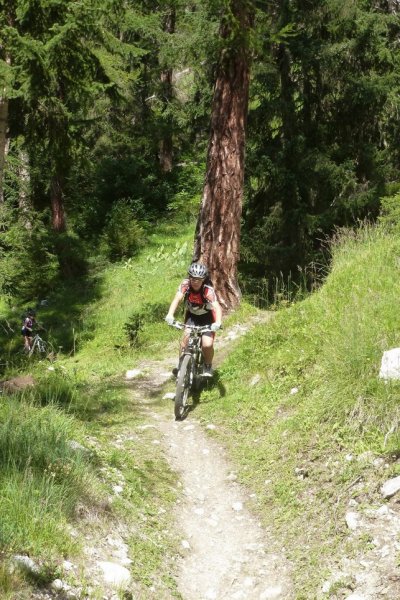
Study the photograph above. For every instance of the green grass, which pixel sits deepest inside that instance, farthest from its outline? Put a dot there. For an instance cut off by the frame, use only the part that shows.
(81, 398)
(294, 448)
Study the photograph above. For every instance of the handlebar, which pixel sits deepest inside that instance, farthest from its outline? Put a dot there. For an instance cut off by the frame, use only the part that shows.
(197, 328)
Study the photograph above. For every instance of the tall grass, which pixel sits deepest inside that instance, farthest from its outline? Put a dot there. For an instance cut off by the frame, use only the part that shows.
(42, 477)
(319, 400)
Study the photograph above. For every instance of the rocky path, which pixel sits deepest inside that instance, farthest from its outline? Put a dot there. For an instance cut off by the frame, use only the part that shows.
(225, 552)
(225, 548)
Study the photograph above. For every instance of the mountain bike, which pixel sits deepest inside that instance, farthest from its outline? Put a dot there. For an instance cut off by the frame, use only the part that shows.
(190, 367)
(39, 346)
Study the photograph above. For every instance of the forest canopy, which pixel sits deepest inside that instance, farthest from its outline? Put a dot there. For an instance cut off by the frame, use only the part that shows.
(105, 111)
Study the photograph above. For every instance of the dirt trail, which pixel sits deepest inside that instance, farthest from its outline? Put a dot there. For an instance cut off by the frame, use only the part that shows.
(226, 554)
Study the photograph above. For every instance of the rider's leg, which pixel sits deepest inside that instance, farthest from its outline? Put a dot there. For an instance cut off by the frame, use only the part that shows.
(27, 343)
(207, 344)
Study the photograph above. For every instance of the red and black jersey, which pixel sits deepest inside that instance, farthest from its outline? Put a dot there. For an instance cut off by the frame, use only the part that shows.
(198, 303)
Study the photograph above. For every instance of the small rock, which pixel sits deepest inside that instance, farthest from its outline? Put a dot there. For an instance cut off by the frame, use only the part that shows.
(210, 426)
(169, 396)
(237, 506)
(352, 520)
(133, 373)
(255, 380)
(117, 489)
(271, 593)
(294, 391)
(57, 585)
(185, 544)
(114, 573)
(26, 563)
(50, 368)
(390, 487)
(326, 587)
(77, 446)
(382, 511)
(349, 457)
(301, 472)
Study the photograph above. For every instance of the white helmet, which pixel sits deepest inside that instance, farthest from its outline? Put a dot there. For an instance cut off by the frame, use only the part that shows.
(198, 270)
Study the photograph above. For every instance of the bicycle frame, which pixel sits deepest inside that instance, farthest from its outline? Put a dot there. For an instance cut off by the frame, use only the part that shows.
(37, 344)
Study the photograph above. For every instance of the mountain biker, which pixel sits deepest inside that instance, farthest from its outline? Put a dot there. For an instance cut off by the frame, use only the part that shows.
(27, 326)
(202, 308)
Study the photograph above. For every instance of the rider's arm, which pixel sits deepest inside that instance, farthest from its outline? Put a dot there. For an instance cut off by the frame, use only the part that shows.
(217, 312)
(175, 303)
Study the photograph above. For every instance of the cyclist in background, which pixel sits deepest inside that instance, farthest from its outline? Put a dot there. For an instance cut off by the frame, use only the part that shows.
(27, 327)
(202, 308)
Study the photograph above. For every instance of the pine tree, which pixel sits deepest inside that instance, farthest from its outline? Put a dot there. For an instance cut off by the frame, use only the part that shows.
(218, 226)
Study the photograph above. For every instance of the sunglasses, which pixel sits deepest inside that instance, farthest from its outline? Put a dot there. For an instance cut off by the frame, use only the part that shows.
(196, 279)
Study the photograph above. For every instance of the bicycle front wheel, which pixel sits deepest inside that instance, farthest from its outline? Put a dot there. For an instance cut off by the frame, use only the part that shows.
(183, 386)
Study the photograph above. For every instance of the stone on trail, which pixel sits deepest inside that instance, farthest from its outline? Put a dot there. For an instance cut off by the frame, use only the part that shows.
(114, 573)
(352, 520)
(169, 396)
(390, 487)
(272, 593)
(133, 373)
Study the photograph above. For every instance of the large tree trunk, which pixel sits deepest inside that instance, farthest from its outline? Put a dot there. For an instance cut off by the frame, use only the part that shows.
(218, 228)
(3, 141)
(58, 219)
(24, 203)
(166, 147)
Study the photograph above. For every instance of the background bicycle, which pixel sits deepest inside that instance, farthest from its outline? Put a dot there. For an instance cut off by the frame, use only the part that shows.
(40, 347)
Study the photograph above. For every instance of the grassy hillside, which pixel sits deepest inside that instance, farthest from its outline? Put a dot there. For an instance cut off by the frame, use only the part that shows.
(100, 327)
(298, 402)
(307, 432)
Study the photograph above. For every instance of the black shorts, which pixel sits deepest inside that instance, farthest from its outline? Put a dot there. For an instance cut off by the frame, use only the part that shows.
(200, 320)
(26, 332)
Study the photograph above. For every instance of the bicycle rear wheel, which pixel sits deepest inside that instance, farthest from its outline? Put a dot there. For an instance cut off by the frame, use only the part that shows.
(183, 386)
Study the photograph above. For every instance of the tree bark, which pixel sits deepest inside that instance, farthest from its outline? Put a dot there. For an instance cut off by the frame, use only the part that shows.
(58, 219)
(24, 204)
(3, 141)
(166, 146)
(217, 241)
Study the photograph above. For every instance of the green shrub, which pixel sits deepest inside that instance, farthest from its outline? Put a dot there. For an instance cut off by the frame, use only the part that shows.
(123, 235)
(390, 213)
(149, 313)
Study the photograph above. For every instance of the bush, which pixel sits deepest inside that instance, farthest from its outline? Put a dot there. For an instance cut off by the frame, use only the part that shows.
(150, 313)
(390, 213)
(123, 235)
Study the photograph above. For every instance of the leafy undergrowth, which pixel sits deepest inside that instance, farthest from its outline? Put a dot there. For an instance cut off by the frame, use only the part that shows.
(303, 410)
